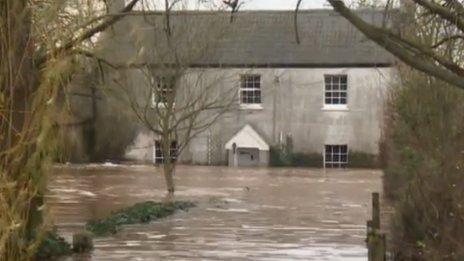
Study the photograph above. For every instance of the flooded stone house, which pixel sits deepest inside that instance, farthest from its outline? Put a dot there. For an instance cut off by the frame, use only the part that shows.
(322, 97)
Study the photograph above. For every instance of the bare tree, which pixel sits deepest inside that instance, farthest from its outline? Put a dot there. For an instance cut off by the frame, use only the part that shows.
(177, 98)
(437, 58)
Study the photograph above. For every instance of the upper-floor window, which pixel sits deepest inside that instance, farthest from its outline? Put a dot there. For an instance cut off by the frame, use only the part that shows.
(163, 90)
(250, 89)
(336, 89)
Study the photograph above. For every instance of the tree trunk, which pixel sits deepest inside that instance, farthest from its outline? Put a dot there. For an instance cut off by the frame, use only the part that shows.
(169, 177)
(27, 84)
(18, 76)
(168, 163)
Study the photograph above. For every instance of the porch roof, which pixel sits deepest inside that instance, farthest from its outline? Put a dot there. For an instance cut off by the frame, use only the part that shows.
(247, 137)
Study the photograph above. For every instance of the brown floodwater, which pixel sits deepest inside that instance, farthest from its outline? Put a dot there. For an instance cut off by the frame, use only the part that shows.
(242, 214)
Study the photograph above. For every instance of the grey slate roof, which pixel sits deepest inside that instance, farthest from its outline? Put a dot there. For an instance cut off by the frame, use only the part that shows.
(255, 38)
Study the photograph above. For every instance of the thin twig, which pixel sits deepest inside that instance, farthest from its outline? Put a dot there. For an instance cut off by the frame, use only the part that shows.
(295, 21)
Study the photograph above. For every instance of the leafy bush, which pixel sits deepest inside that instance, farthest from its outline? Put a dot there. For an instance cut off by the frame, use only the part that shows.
(358, 159)
(139, 213)
(424, 152)
(285, 158)
(52, 245)
(82, 242)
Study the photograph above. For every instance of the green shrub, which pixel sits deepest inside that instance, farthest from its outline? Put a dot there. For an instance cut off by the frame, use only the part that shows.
(52, 245)
(82, 242)
(424, 175)
(358, 159)
(139, 213)
(283, 158)
(307, 160)
(277, 157)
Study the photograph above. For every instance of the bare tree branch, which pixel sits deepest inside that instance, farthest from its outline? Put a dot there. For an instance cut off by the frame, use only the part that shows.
(419, 58)
(88, 33)
(443, 12)
(447, 39)
(177, 102)
(295, 22)
(234, 6)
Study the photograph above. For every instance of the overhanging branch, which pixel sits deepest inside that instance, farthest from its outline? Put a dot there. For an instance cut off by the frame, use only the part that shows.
(401, 49)
(88, 33)
(443, 12)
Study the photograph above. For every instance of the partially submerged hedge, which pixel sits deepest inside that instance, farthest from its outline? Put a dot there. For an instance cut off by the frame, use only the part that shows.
(358, 159)
(285, 158)
(139, 213)
(52, 245)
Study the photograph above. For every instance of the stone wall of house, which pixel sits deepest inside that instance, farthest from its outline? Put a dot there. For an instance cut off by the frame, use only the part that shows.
(293, 105)
(292, 98)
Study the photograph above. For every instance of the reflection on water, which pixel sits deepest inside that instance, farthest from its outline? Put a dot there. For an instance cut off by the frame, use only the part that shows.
(243, 214)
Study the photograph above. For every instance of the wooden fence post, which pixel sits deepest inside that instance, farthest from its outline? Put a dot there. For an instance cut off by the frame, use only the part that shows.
(376, 210)
(376, 241)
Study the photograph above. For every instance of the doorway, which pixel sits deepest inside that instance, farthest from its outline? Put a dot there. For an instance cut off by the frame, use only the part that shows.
(248, 157)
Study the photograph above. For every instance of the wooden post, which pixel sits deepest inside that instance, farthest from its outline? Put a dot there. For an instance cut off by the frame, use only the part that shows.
(376, 241)
(376, 210)
(376, 245)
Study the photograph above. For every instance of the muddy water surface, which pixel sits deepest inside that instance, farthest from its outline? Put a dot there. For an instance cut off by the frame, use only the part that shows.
(242, 214)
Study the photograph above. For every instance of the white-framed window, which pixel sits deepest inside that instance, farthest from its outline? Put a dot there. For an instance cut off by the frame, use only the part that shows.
(250, 89)
(163, 90)
(336, 156)
(158, 156)
(336, 90)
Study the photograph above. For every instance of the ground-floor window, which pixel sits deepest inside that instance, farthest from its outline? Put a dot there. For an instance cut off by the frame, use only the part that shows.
(159, 157)
(336, 156)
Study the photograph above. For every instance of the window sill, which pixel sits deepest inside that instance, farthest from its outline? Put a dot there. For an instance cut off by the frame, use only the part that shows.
(255, 107)
(335, 108)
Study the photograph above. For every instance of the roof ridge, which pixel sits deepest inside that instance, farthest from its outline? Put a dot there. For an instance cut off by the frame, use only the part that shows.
(318, 10)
